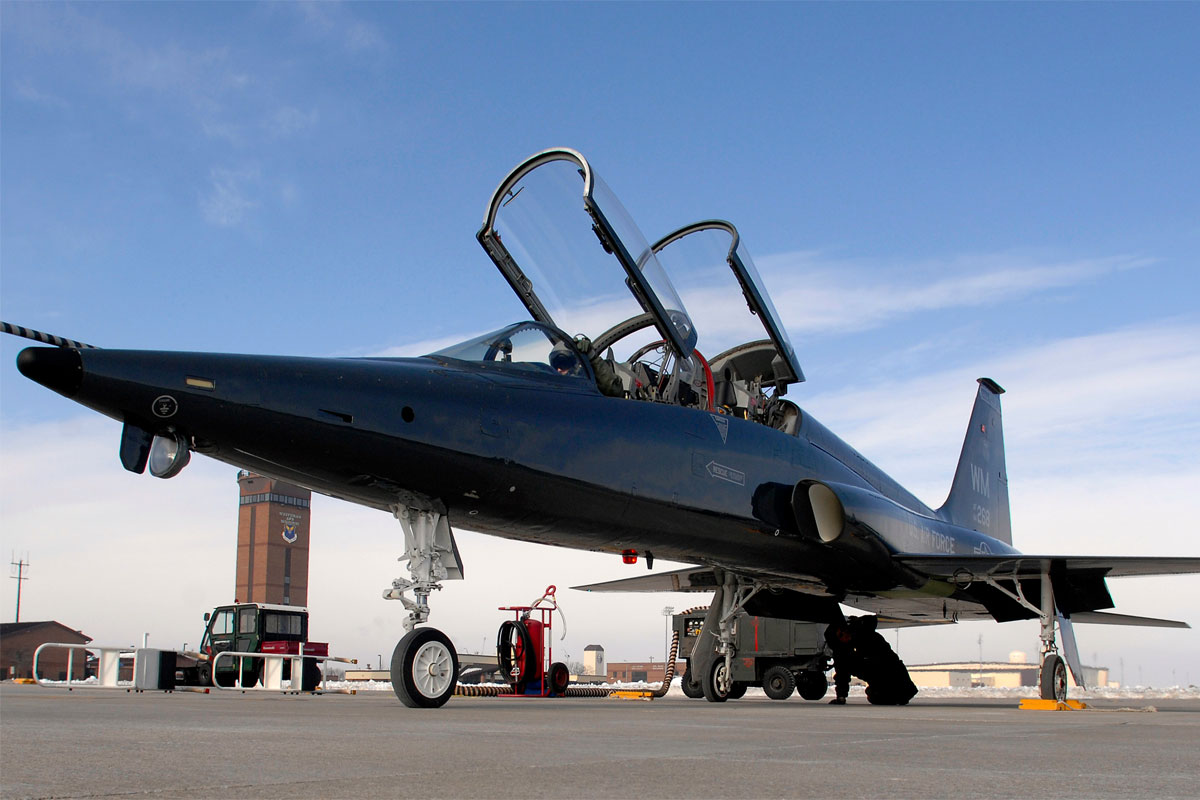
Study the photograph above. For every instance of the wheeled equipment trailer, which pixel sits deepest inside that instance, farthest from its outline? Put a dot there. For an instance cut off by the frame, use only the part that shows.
(779, 655)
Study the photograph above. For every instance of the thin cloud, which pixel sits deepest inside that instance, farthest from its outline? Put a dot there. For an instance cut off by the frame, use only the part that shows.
(817, 295)
(334, 22)
(1121, 402)
(27, 91)
(230, 195)
(287, 121)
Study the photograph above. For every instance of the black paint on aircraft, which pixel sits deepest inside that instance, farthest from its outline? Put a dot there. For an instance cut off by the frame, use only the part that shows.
(623, 438)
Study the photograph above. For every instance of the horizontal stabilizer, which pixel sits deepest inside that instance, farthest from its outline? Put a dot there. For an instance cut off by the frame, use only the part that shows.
(1108, 618)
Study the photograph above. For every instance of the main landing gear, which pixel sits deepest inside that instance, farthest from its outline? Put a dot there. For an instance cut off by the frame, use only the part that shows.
(1052, 679)
(424, 663)
(711, 664)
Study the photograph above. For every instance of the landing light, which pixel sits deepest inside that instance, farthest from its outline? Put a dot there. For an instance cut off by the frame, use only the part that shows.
(169, 454)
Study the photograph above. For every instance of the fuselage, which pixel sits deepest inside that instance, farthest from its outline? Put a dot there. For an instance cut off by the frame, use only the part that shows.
(530, 456)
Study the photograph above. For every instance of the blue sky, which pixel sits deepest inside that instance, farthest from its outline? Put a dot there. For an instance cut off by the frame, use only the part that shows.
(931, 192)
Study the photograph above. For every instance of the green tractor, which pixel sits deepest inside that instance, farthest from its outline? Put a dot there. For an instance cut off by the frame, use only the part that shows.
(254, 628)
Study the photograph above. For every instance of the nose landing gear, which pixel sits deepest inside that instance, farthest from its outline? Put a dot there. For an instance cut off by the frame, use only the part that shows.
(424, 663)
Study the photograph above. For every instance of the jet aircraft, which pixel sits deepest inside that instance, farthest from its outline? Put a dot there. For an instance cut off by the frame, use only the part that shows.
(599, 425)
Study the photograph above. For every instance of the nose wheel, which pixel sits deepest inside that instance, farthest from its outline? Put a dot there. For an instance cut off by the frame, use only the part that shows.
(424, 668)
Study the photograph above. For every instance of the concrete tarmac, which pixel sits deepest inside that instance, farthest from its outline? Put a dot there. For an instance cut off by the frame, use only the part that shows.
(104, 743)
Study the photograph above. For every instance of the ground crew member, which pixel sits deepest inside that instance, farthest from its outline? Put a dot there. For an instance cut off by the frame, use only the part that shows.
(860, 651)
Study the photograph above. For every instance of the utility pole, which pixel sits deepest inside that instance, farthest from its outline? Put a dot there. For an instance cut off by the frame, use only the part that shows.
(981, 659)
(20, 576)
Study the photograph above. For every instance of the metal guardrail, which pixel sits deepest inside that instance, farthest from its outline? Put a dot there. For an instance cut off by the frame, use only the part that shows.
(272, 673)
(107, 671)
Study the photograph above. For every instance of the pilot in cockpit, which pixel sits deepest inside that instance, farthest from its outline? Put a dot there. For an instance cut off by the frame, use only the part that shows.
(564, 361)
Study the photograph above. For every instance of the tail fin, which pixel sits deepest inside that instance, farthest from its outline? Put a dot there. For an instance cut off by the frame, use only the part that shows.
(979, 496)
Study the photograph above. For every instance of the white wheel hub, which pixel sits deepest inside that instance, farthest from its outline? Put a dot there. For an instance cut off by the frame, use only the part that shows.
(432, 669)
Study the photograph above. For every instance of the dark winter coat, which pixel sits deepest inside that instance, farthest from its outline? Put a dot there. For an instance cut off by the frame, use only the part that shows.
(867, 656)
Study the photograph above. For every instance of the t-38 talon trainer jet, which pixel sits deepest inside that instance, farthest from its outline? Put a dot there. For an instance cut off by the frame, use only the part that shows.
(623, 438)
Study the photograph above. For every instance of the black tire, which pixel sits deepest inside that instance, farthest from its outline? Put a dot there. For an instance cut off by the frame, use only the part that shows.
(812, 685)
(204, 674)
(513, 645)
(249, 676)
(778, 683)
(737, 691)
(690, 687)
(560, 678)
(424, 668)
(1053, 679)
(716, 676)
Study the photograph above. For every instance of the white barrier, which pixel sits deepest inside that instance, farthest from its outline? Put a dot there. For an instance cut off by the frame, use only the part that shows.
(272, 672)
(108, 669)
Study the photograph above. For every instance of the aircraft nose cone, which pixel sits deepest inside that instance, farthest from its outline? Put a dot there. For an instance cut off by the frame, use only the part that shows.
(57, 368)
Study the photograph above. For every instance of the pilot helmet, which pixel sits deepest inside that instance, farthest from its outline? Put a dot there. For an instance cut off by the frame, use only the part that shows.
(563, 359)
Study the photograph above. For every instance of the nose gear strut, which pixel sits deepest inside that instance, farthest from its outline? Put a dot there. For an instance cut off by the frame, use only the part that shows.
(432, 557)
(424, 663)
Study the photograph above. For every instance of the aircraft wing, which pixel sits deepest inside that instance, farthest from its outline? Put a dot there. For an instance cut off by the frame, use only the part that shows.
(1031, 566)
(802, 600)
(1079, 585)
(957, 590)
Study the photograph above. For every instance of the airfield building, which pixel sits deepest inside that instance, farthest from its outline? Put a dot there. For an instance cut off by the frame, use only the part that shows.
(19, 640)
(273, 537)
(1014, 673)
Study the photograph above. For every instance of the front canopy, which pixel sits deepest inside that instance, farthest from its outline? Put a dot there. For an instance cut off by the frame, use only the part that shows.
(554, 228)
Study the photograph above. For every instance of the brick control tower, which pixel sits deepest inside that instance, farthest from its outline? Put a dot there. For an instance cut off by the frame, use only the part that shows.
(272, 559)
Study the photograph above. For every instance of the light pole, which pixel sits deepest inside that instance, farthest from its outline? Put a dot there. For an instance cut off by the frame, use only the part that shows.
(667, 612)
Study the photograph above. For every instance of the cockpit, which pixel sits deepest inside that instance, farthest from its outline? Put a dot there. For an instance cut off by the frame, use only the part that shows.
(531, 347)
(554, 229)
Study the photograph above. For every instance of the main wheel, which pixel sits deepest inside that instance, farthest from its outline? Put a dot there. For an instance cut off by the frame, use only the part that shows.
(812, 685)
(717, 686)
(1053, 680)
(424, 668)
(737, 691)
(778, 683)
(690, 687)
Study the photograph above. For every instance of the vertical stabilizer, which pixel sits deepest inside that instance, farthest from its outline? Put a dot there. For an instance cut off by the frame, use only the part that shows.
(979, 497)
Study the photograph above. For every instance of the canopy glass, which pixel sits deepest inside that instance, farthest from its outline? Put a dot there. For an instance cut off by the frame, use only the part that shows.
(554, 229)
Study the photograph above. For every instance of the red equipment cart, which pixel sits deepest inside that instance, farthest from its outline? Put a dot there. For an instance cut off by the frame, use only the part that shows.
(524, 651)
